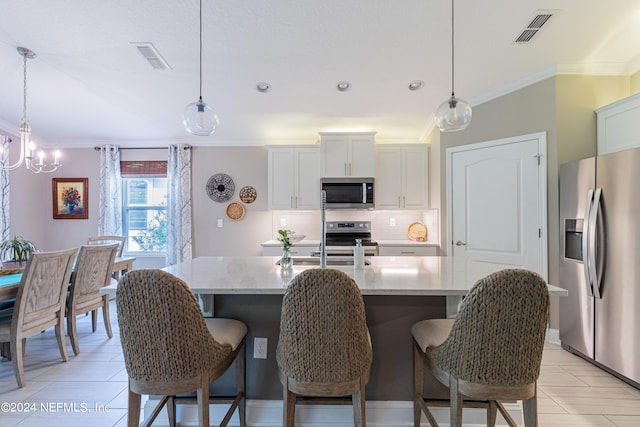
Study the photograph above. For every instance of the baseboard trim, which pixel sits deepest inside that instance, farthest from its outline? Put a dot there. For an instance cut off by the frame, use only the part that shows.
(553, 336)
(268, 413)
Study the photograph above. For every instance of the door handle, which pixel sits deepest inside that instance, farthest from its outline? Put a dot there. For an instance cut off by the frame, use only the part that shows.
(460, 243)
(593, 272)
(586, 248)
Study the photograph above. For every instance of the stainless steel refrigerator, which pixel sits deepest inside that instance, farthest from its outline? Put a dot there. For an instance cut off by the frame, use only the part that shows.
(600, 261)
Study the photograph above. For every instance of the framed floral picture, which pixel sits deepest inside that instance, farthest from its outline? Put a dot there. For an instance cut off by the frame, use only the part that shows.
(70, 198)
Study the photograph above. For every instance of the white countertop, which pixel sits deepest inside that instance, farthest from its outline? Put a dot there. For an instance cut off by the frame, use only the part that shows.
(405, 275)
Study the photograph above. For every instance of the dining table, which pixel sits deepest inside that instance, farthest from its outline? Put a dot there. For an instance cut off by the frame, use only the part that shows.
(10, 283)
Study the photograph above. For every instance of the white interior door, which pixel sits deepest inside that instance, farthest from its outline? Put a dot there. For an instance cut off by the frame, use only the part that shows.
(496, 198)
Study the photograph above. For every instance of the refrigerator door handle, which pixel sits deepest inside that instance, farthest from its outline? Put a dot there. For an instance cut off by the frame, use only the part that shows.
(585, 243)
(593, 222)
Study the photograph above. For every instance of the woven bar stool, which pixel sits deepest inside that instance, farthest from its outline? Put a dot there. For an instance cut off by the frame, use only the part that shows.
(170, 349)
(324, 349)
(490, 352)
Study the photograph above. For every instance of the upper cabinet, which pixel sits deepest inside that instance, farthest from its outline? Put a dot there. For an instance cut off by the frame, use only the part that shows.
(294, 177)
(402, 176)
(619, 125)
(347, 154)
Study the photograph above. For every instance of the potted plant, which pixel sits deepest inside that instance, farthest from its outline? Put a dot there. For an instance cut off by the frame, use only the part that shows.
(15, 252)
(286, 261)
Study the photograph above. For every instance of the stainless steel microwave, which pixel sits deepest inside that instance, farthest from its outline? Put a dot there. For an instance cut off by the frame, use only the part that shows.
(348, 192)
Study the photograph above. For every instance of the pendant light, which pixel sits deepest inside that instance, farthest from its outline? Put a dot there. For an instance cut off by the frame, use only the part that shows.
(27, 148)
(454, 114)
(199, 117)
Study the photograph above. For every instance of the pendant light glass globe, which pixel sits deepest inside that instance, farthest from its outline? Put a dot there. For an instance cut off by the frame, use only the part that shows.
(200, 119)
(453, 115)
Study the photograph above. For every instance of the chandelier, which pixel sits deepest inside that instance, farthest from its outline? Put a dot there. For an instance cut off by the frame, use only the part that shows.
(35, 164)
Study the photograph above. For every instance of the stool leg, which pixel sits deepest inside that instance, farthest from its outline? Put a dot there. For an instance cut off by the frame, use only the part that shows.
(456, 403)
(418, 383)
(288, 406)
(241, 383)
(133, 417)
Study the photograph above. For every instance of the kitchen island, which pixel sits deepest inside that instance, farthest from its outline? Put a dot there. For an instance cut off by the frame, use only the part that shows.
(398, 291)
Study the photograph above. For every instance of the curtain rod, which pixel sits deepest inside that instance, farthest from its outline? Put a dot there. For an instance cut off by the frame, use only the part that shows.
(186, 147)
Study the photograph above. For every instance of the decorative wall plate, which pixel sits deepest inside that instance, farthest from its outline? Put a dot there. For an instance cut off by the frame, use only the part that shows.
(417, 231)
(221, 187)
(235, 211)
(248, 194)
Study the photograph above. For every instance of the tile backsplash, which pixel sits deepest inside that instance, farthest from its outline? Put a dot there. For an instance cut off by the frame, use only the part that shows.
(308, 222)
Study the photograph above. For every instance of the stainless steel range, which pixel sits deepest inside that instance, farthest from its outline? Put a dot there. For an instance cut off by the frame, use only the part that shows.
(341, 238)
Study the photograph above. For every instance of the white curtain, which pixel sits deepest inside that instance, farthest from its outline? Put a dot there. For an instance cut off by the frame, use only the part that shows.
(5, 221)
(179, 243)
(110, 208)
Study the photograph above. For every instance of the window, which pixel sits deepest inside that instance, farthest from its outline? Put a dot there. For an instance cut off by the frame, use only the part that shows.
(144, 205)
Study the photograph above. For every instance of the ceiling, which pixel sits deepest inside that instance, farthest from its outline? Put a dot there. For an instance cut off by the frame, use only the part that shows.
(89, 84)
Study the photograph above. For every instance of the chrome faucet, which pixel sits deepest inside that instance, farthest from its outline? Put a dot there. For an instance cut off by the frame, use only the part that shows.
(323, 240)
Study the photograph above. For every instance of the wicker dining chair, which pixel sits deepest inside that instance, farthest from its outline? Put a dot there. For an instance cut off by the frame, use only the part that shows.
(169, 348)
(324, 348)
(40, 304)
(492, 350)
(92, 272)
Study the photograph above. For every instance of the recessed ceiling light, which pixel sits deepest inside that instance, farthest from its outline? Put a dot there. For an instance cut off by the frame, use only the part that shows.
(416, 85)
(263, 87)
(343, 86)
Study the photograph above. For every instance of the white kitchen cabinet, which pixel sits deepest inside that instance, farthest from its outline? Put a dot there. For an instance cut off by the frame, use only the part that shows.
(347, 154)
(402, 176)
(408, 250)
(294, 177)
(619, 125)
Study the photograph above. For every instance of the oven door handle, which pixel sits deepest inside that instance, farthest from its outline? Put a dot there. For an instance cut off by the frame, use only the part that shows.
(367, 252)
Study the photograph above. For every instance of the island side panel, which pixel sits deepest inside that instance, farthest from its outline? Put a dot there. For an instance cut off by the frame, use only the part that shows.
(389, 318)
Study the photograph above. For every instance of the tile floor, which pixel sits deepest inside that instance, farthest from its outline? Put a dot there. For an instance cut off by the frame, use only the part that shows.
(90, 389)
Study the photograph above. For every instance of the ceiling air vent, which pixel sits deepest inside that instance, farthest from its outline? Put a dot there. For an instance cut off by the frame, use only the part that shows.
(536, 23)
(151, 54)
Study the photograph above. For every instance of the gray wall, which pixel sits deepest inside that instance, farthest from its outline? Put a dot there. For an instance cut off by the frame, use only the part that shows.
(247, 166)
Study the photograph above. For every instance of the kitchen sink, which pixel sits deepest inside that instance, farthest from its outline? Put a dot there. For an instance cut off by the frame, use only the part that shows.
(332, 260)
